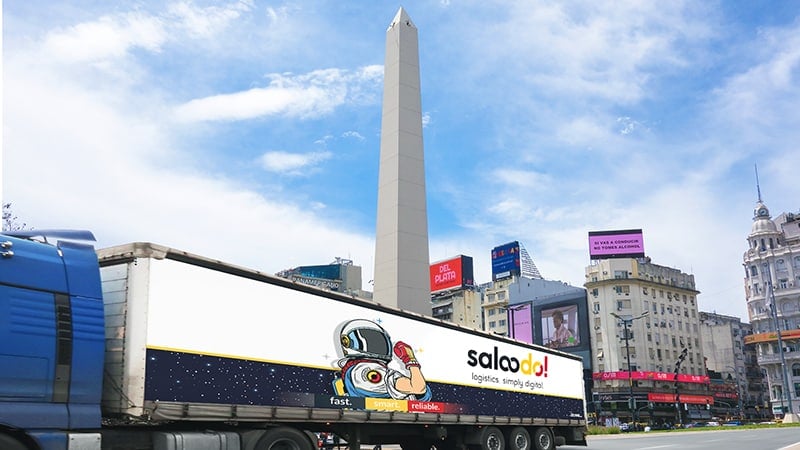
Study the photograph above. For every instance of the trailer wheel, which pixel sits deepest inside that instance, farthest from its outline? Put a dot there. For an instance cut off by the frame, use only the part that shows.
(284, 438)
(518, 439)
(543, 439)
(492, 439)
(9, 443)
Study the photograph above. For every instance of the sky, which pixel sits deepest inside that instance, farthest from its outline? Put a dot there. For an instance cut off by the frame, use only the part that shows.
(248, 131)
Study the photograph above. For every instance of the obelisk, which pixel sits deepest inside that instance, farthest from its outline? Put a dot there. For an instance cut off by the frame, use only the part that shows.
(402, 262)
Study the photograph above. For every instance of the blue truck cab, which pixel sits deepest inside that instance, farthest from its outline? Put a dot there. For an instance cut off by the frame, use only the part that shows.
(51, 336)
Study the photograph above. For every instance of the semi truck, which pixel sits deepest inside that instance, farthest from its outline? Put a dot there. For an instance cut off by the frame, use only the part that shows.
(143, 346)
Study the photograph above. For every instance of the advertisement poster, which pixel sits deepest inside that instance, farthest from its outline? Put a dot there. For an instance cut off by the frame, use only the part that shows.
(218, 338)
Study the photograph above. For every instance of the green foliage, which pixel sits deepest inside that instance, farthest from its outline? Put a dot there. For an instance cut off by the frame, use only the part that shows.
(596, 429)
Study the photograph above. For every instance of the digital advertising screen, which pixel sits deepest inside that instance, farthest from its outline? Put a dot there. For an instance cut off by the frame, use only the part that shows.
(505, 261)
(616, 244)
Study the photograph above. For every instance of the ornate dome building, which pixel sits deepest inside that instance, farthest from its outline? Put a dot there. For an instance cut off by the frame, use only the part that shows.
(772, 289)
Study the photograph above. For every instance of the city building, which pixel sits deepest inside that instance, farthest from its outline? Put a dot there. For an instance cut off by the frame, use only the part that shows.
(454, 297)
(513, 292)
(737, 384)
(772, 290)
(460, 306)
(340, 276)
(645, 339)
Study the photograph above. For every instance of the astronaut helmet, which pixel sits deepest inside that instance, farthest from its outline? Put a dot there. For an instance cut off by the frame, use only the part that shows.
(360, 338)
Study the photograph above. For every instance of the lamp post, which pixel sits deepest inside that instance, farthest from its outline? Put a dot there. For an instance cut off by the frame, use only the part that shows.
(785, 378)
(678, 363)
(738, 391)
(626, 322)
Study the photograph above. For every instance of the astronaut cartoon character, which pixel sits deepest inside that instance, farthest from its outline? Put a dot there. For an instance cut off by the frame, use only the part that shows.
(372, 367)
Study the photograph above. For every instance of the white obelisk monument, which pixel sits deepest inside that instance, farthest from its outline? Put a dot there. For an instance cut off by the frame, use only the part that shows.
(402, 264)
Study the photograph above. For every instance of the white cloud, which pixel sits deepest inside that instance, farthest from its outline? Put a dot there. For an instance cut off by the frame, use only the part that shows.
(108, 37)
(292, 163)
(353, 134)
(305, 96)
(206, 22)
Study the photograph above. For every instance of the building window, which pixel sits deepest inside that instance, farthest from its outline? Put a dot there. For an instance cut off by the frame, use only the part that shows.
(753, 271)
(501, 323)
(623, 304)
(492, 324)
(622, 289)
(796, 370)
(797, 389)
(501, 295)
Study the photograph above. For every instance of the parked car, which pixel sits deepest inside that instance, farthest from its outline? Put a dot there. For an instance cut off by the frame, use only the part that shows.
(733, 423)
(713, 423)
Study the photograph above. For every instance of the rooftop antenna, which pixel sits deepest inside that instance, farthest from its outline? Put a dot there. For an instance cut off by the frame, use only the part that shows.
(758, 186)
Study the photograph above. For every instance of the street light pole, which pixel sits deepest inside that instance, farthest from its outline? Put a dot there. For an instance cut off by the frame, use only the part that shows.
(678, 363)
(626, 322)
(790, 416)
(738, 391)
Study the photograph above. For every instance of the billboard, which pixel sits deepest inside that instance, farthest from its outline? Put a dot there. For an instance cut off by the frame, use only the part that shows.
(453, 273)
(521, 320)
(573, 338)
(319, 360)
(505, 261)
(616, 244)
(560, 326)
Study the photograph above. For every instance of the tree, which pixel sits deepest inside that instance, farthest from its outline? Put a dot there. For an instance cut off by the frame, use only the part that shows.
(10, 221)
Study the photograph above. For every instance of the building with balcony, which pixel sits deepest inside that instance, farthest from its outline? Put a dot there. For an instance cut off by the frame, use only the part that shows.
(740, 389)
(772, 291)
(645, 337)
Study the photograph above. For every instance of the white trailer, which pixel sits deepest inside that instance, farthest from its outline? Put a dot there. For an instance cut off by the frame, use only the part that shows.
(212, 355)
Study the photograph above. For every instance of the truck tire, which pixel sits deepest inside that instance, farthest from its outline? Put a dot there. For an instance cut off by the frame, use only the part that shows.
(492, 439)
(284, 438)
(415, 444)
(9, 443)
(543, 439)
(518, 439)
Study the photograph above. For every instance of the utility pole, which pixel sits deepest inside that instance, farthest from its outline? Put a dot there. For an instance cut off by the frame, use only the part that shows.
(631, 400)
(678, 363)
(738, 392)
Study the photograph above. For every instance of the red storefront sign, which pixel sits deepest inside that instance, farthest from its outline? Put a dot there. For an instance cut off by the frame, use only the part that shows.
(660, 397)
(651, 376)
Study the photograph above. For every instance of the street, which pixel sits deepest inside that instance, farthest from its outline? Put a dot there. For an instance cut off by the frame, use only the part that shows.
(745, 439)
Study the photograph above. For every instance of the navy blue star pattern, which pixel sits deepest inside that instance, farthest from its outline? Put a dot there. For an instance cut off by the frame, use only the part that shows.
(194, 378)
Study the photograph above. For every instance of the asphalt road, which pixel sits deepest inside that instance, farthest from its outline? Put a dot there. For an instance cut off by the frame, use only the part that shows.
(725, 439)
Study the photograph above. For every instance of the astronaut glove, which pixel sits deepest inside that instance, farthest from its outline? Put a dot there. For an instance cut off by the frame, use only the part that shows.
(406, 354)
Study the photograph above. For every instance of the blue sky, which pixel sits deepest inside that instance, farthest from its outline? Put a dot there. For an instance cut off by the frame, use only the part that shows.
(249, 130)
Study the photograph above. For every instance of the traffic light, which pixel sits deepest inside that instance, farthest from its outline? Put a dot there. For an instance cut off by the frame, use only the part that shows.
(632, 403)
(708, 405)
